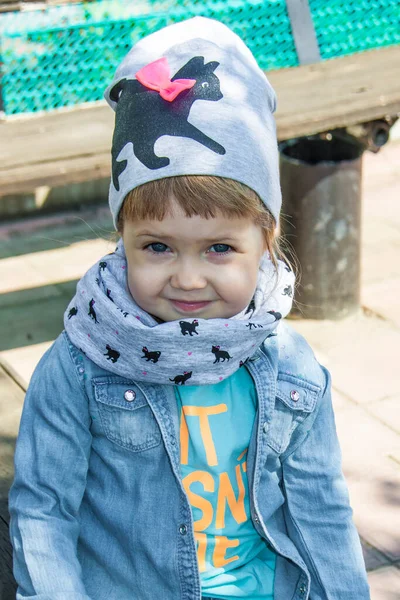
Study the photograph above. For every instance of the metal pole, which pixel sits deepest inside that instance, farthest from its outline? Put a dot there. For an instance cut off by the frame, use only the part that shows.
(321, 210)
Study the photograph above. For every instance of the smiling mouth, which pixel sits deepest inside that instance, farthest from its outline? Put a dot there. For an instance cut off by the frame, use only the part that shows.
(187, 306)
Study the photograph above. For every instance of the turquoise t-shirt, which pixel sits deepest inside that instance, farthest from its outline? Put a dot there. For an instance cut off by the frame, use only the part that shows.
(216, 422)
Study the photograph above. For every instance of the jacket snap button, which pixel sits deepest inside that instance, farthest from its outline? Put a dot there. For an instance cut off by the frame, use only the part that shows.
(302, 590)
(182, 529)
(265, 427)
(129, 395)
(294, 394)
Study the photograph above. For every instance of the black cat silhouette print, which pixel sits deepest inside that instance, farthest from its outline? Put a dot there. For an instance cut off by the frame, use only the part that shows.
(156, 114)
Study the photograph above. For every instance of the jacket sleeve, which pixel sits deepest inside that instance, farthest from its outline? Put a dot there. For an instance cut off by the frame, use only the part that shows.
(51, 462)
(317, 509)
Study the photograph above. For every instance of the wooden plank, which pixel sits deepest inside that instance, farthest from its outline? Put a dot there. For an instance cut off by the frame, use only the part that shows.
(13, 5)
(39, 322)
(8, 586)
(83, 132)
(337, 93)
(73, 146)
(79, 169)
(11, 401)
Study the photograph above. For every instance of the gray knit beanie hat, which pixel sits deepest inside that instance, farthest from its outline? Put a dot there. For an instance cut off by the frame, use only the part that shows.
(190, 99)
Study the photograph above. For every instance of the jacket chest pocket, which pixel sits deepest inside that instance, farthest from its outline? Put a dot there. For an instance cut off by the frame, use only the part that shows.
(125, 415)
(295, 400)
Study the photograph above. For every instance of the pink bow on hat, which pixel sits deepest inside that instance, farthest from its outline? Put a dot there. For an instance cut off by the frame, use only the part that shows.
(156, 76)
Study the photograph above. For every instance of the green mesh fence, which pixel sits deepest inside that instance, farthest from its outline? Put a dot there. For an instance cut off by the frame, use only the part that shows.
(67, 55)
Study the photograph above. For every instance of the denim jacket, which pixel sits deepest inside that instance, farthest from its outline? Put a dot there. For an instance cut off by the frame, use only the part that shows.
(98, 509)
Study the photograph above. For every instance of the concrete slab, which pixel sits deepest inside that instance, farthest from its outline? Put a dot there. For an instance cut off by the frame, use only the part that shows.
(373, 477)
(388, 411)
(385, 584)
(361, 352)
(372, 557)
(340, 401)
(366, 443)
(380, 269)
(382, 297)
(378, 252)
(375, 504)
(380, 170)
(395, 132)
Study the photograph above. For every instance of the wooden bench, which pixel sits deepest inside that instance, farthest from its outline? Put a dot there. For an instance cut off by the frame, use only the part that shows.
(15, 5)
(73, 146)
(11, 401)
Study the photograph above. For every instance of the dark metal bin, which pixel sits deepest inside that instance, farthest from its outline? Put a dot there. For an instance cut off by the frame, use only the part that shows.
(321, 220)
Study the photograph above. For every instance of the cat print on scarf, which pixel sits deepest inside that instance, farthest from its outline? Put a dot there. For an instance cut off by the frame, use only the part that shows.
(112, 354)
(220, 354)
(154, 355)
(189, 328)
(92, 312)
(72, 312)
(182, 379)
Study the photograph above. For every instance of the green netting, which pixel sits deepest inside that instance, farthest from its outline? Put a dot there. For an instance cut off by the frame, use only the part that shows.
(67, 55)
(355, 26)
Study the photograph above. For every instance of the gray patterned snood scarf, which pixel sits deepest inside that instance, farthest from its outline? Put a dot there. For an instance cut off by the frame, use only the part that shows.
(104, 321)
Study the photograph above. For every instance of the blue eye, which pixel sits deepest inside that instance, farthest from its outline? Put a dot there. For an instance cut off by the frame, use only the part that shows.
(221, 248)
(157, 249)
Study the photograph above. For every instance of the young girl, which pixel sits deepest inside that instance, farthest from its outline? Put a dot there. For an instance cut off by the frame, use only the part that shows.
(177, 440)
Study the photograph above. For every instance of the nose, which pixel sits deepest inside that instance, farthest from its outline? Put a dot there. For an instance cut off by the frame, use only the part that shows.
(187, 276)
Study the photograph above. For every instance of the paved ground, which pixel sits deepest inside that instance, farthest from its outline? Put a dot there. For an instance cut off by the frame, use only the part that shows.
(40, 262)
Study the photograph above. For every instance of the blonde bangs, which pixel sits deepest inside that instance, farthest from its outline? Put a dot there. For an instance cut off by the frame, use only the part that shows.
(202, 195)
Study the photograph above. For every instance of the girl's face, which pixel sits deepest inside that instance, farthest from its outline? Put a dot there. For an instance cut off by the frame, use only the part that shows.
(180, 261)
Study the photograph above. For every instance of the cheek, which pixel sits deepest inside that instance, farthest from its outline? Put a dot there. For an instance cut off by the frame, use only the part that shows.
(249, 282)
(239, 280)
(144, 281)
